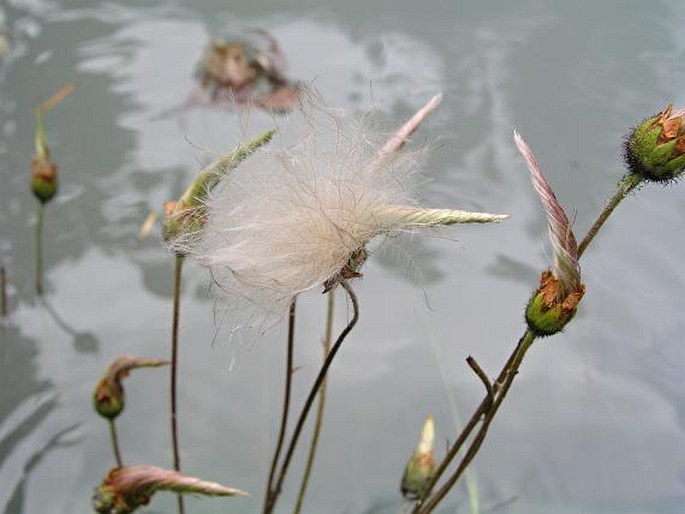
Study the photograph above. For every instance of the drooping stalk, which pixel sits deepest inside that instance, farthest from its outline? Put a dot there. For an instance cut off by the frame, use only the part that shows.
(115, 442)
(286, 399)
(39, 247)
(178, 272)
(328, 339)
(276, 490)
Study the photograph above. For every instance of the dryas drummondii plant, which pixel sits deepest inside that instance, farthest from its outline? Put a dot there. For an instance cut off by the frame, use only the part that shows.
(300, 217)
(654, 151)
(44, 172)
(550, 308)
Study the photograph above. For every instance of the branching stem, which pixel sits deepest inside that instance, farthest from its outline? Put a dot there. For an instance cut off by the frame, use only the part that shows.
(276, 490)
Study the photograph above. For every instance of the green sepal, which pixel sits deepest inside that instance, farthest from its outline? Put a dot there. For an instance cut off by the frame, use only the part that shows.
(659, 157)
(543, 320)
(417, 474)
(108, 399)
(43, 190)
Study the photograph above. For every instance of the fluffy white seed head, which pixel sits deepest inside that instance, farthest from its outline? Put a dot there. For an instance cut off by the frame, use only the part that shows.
(291, 216)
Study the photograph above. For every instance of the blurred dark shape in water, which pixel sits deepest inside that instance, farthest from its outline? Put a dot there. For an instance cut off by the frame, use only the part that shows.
(27, 433)
(245, 68)
(84, 342)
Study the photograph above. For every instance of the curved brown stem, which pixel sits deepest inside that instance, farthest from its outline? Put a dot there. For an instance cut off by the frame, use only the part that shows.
(273, 496)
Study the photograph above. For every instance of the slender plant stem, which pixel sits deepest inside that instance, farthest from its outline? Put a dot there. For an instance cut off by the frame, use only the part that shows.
(273, 496)
(115, 443)
(178, 271)
(286, 399)
(629, 182)
(318, 422)
(3, 293)
(39, 247)
(507, 375)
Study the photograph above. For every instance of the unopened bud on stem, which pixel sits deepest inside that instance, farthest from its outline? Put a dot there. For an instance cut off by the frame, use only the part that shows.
(108, 398)
(421, 465)
(655, 149)
(126, 489)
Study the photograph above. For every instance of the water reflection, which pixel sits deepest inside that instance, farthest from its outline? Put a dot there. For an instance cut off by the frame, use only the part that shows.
(603, 398)
(27, 427)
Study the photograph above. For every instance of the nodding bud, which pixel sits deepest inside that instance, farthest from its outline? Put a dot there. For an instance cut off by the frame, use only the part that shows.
(655, 149)
(421, 465)
(43, 170)
(108, 398)
(188, 215)
(43, 179)
(126, 489)
(554, 303)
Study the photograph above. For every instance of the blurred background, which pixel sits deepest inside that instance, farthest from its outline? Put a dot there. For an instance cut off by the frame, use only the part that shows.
(595, 422)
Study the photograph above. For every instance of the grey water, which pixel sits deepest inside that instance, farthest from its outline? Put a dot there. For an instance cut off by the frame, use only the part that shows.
(596, 420)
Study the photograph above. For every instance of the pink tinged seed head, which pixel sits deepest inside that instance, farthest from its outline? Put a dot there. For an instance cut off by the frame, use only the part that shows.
(566, 268)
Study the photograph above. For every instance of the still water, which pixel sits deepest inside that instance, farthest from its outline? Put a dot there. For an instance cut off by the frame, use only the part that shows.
(596, 420)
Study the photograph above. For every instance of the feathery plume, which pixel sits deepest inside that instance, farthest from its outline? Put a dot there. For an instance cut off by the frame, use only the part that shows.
(124, 490)
(293, 219)
(554, 303)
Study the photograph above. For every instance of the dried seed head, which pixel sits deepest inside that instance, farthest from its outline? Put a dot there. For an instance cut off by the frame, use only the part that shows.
(292, 219)
(126, 489)
(554, 303)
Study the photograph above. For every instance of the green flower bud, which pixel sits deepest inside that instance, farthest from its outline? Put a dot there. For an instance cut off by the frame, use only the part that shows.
(655, 149)
(43, 179)
(108, 398)
(421, 465)
(185, 217)
(548, 312)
